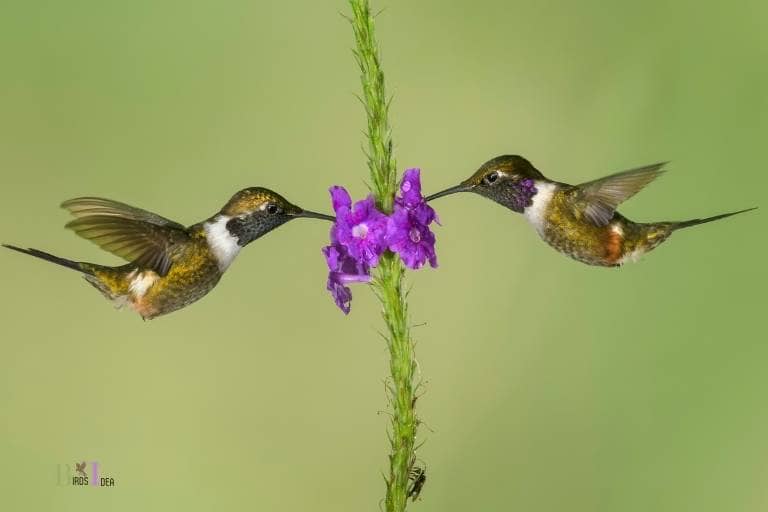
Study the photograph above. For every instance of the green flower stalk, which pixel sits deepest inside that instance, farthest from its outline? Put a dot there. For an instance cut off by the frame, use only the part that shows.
(380, 161)
(388, 281)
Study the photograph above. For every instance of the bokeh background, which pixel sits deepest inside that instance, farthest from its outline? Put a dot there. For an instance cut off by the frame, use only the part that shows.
(549, 385)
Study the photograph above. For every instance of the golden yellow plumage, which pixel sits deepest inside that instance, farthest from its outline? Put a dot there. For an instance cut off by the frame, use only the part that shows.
(580, 221)
(171, 266)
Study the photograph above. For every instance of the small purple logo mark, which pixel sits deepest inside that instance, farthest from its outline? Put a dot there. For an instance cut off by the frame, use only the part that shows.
(95, 473)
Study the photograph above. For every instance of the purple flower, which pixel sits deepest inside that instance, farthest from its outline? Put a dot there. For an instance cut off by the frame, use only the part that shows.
(408, 233)
(361, 234)
(357, 241)
(411, 239)
(360, 228)
(410, 189)
(343, 270)
(340, 198)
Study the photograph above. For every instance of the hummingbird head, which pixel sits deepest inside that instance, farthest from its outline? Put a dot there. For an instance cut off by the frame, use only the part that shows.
(508, 180)
(253, 212)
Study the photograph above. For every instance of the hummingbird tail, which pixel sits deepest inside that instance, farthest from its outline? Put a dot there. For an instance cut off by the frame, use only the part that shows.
(696, 222)
(74, 265)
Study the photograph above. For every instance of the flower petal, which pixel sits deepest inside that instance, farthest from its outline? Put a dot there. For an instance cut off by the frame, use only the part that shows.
(410, 188)
(340, 198)
(342, 295)
(343, 270)
(411, 239)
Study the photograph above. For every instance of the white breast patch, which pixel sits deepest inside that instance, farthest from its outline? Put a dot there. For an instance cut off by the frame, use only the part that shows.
(223, 245)
(537, 212)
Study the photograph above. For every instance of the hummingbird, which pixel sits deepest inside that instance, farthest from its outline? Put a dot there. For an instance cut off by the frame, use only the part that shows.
(579, 221)
(170, 266)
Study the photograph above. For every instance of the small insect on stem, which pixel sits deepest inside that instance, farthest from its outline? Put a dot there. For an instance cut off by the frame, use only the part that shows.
(418, 477)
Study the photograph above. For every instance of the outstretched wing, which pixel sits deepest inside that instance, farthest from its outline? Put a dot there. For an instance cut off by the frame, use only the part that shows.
(141, 237)
(597, 200)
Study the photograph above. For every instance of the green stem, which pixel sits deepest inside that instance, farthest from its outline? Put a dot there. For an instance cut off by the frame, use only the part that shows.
(380, 161)
(401, 389)
(388, 283)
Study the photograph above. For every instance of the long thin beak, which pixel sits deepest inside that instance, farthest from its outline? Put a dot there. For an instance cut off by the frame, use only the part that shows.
(314, 215)
(453, 190)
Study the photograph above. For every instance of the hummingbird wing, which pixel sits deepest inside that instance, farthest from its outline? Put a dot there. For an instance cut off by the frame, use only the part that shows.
(141, 237)
(597, 200)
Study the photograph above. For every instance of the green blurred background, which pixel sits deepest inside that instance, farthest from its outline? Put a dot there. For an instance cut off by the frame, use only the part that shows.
(550, 385)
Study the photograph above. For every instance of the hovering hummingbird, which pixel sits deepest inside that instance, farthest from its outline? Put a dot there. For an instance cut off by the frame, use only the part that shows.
(171, 266)
(579, 221)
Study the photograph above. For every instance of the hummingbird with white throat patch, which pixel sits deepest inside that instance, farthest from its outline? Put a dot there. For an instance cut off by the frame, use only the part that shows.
(170, 266)
(579, 221)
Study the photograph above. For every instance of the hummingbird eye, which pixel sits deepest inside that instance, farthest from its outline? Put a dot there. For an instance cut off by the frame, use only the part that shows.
(492, 177)
(272, 209)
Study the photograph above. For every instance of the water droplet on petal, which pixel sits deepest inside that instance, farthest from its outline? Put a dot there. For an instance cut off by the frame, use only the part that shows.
(415, 235)
(406, 186)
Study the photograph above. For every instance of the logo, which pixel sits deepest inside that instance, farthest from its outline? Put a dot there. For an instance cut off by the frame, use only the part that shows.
(82, 477)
